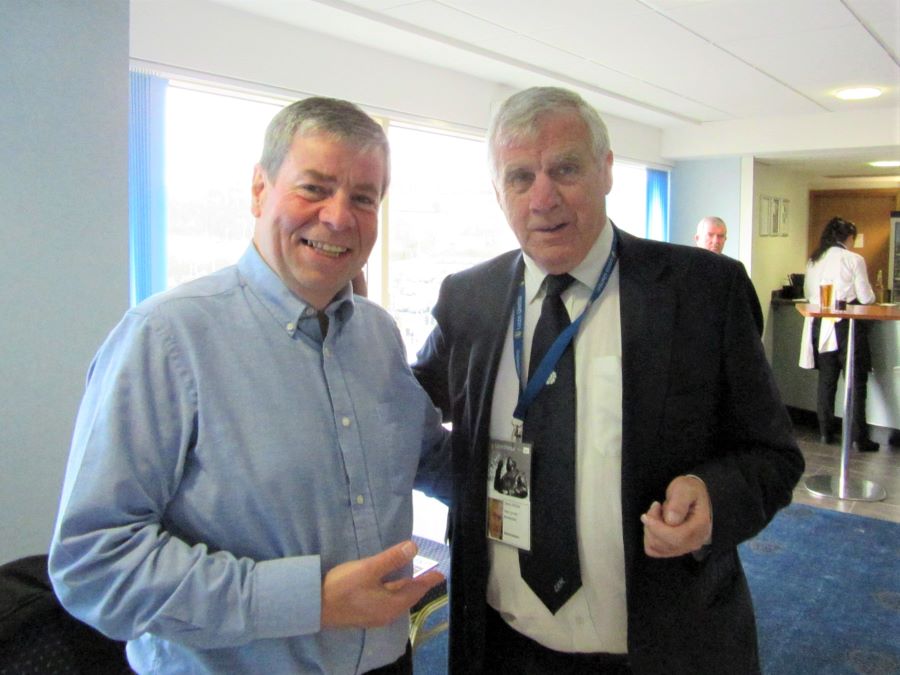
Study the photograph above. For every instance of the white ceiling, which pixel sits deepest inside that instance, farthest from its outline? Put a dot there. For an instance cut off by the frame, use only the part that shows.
(661, 62)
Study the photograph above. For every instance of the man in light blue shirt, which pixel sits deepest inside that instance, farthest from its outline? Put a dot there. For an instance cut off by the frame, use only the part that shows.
(238, 493)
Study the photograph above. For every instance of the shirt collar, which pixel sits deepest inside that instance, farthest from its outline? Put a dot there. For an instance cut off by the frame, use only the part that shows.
(586, 273)
(284, 305)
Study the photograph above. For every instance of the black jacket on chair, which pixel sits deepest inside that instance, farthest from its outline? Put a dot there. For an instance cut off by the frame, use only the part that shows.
(698, 397)
(38, 636)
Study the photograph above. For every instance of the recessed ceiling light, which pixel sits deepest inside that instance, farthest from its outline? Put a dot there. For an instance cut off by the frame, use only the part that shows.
(886, 164)
(858, 93)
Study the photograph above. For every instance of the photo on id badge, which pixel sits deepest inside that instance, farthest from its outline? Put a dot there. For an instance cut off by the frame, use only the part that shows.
(509, 502)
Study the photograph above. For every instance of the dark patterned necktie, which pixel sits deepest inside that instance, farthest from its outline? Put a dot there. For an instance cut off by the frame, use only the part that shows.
(551, 568)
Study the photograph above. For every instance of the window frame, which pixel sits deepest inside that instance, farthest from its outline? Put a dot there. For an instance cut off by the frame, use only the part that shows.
(148, 234)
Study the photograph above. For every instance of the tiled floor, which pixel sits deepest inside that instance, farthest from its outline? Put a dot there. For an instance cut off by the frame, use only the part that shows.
(882, 467)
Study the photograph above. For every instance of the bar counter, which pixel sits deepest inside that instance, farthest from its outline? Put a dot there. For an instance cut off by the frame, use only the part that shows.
(842, 485)
(798, 385)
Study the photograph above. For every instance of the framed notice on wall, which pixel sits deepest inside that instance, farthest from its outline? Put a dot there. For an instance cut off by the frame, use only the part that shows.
(765, 216)
(784, 207)
(774, 216)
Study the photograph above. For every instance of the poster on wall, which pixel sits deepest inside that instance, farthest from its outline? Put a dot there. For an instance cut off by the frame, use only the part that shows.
(765, 216)
(784, 206)
(774, 214)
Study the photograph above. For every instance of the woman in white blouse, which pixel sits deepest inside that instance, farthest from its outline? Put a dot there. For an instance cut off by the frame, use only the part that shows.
(825, 340)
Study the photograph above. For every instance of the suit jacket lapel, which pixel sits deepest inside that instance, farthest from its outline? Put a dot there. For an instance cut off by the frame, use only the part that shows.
(647, 309)
(489, 348)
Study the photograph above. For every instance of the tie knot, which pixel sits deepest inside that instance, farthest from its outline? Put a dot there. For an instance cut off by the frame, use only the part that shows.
(557, 283)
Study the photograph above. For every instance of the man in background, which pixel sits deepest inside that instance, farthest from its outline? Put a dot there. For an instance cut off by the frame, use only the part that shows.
(238, 495)
(657, 440)
(711, 235)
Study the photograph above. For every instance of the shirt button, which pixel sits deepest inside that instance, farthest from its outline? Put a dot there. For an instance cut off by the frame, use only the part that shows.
(360, 499)
(326, 351)
(345, 421)
(290, 328)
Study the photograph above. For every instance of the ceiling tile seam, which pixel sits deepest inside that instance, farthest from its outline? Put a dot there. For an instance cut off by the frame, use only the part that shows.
(734, 56)
(405, 26)
(871, 32)
(589, 60)
(635, 77)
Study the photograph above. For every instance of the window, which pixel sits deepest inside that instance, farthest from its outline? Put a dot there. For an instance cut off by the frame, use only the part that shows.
(625, 205)
(212, 143)
(439, 221)
(639, 201)
(435, 221)
(440, 216)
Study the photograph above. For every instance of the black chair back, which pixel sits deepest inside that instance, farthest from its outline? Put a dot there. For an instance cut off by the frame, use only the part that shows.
(38, 636)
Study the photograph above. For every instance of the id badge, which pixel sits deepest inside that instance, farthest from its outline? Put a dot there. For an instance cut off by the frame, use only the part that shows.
(509, 494)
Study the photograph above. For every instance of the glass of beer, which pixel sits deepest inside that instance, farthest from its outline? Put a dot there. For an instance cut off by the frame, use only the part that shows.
(826, 295)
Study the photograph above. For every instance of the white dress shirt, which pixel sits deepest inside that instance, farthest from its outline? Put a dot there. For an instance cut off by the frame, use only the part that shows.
(595, 618)
(847, 271)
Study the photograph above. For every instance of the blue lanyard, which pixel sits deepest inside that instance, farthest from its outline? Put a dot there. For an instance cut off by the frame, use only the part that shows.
(551, 358)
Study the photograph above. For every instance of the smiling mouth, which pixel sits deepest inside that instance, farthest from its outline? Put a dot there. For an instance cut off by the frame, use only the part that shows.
(331, 250)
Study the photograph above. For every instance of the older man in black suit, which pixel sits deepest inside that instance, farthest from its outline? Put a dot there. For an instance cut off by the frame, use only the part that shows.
(711, 235)
(655, 435)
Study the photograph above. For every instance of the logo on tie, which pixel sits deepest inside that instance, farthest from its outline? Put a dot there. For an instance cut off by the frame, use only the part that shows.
(552, 378)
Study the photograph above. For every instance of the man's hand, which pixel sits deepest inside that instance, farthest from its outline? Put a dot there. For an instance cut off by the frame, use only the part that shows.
(683, 524)
(354, 594)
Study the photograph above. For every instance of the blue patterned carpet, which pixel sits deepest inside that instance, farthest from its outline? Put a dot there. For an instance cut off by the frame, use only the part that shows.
(826, 587)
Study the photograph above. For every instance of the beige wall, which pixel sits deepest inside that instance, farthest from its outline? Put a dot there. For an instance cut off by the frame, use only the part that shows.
(773, 258)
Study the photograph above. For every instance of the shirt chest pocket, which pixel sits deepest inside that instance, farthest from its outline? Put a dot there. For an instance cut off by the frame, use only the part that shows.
(399, 441)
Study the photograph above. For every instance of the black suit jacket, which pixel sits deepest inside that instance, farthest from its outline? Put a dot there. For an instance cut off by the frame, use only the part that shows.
(698, 397)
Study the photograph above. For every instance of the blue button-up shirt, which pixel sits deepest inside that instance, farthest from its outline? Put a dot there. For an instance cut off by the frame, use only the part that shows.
(223, 461)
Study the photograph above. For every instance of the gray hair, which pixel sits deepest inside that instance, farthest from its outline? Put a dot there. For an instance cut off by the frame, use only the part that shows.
(518, 116)
(318, 115)
(712, 220)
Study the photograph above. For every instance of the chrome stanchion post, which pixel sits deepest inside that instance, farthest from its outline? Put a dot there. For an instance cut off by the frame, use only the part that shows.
(842, 486)
(847, 423)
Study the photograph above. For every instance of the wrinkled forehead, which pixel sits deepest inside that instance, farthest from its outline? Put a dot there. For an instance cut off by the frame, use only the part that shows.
(550, 123)
(552, 136)
(714, 229)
